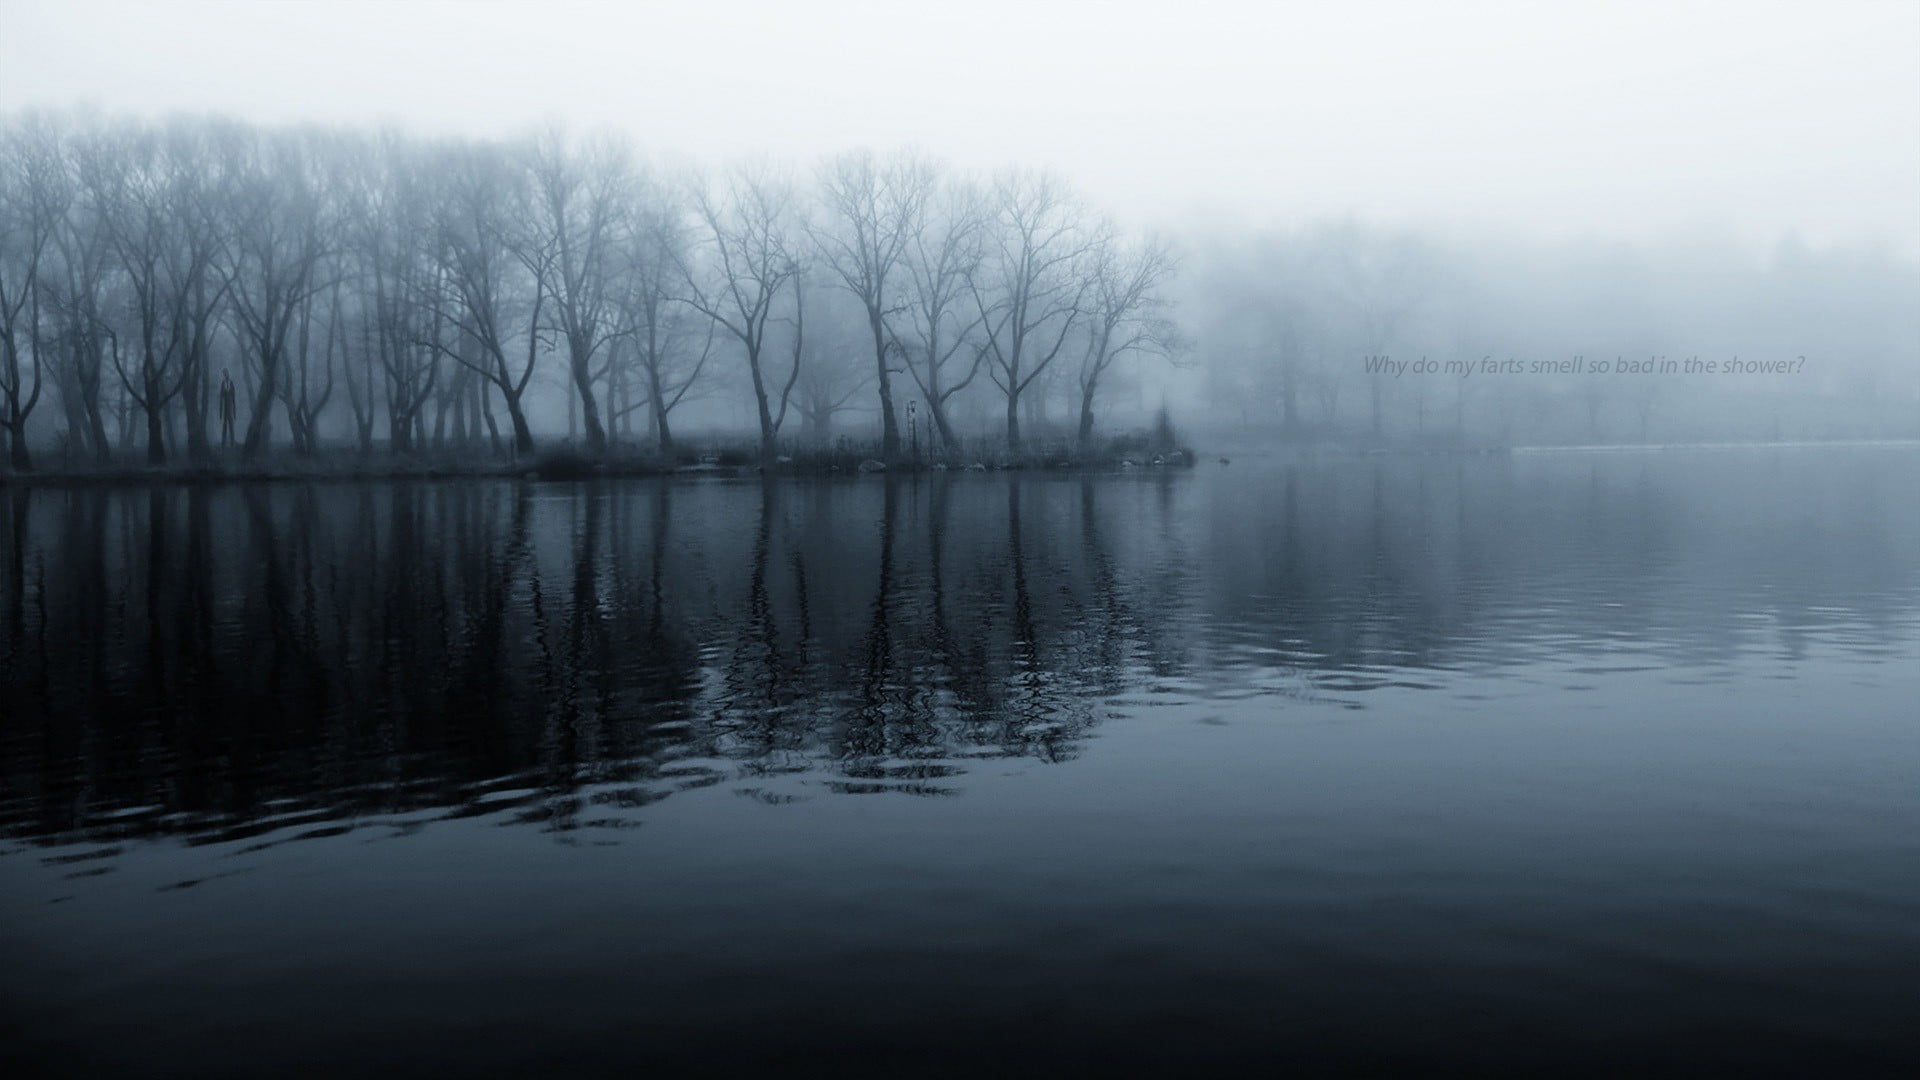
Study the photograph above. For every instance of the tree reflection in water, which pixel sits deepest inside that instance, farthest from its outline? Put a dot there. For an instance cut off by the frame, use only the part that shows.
(222, 663)
(272, 662)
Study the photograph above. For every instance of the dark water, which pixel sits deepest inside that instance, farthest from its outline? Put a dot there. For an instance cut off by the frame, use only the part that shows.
(1607, 761)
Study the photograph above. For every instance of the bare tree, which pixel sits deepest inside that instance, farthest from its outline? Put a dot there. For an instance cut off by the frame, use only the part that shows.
(874, 213)
(357, 371)
(406, 332)
(581, 197)
(1265, 334)
(279, 243)
(1124, 313)
(76, 289)
(750, 261)
(494, 273)
(671, 341)
(33, 198)
(306, 386)
(1378, 280)
(1029, 288)
(126, 175)
(199, 198)
(359, 316)
(829, 344)
(942, 258)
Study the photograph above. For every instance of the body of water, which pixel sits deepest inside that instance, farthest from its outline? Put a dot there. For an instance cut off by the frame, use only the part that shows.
(1601, 759)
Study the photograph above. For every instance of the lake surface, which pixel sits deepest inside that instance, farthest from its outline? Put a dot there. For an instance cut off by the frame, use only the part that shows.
(1610, 758)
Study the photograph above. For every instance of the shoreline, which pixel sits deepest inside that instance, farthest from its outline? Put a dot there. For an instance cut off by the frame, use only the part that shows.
(566, 467)
(321, 470)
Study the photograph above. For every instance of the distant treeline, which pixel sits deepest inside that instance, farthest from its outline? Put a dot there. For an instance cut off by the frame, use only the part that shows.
(176, 289)
(1495, 342)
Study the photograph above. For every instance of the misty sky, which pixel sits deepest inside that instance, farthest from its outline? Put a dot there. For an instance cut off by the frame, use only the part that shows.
(1628, 120)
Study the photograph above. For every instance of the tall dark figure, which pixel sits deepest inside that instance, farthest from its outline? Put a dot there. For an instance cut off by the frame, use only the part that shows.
(226, 409)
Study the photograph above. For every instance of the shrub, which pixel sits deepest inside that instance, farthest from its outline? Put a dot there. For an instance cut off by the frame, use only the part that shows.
(564, 461)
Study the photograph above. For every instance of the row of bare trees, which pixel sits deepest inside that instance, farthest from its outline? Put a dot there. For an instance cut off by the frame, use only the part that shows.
(202, 283)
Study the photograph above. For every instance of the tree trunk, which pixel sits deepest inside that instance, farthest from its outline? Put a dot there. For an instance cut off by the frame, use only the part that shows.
(97, 425)
(665, 433)
(522, 434)
(937, 409)
(194, 398)
(889, 425)
(156, 430)
(589, 410)
(657, 408)
(260, 424)
(767, 448)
